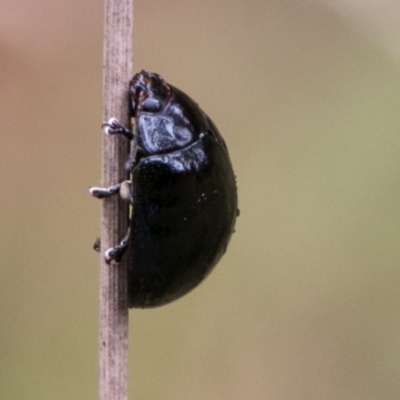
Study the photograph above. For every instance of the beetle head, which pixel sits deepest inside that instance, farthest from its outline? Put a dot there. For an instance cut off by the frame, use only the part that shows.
(149, 92)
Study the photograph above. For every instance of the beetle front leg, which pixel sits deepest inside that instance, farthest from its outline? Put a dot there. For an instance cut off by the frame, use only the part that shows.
(113, 127)
(126, 191)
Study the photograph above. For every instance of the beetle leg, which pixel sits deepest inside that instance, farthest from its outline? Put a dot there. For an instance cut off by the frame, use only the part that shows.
(113, 127)
(102, 193)
(130, 162)
(115, 253)
(96, 245)
(133, 157)
(126, 191)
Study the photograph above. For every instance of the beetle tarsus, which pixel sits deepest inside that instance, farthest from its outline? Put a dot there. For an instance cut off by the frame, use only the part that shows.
(113, 127)
(102, 193)
(116, 253)
(97, 245)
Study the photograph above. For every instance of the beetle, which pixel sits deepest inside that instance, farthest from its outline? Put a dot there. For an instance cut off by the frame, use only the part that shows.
(182, 190)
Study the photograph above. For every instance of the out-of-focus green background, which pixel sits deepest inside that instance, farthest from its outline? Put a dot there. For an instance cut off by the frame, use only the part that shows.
(305, 304)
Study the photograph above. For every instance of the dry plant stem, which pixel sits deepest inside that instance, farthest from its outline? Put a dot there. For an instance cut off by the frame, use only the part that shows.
(113, 335)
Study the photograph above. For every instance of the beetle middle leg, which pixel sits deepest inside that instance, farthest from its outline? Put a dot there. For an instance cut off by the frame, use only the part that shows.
(102, 193)
(124, 189)
(113, 127)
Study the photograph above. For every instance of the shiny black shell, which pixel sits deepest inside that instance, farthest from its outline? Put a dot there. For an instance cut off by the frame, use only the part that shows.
(184, 194)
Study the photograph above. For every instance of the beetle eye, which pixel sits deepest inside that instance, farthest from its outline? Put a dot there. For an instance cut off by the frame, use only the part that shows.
(151, 104)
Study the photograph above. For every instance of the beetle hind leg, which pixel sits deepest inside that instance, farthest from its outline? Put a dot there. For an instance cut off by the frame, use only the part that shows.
(113, 253)
(116, 253)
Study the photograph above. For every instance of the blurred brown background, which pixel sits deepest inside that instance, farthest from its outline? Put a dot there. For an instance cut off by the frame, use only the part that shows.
(305, 304)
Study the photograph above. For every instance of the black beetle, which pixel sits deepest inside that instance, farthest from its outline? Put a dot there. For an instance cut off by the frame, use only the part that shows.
(182, 191)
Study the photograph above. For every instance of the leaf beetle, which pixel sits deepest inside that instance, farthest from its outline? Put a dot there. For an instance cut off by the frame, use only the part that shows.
(182, 191)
